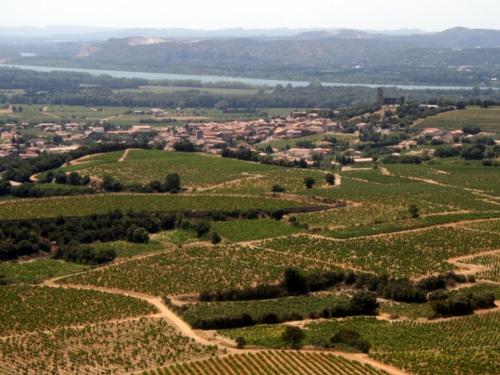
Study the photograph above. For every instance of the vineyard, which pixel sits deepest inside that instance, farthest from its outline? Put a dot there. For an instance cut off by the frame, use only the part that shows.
(100, 204)
(246, 230)
(144, 166)
(278, 363)
(282, 307)
(467, 345)
(104, 348)
(405, 254)
(38, 270)
(487, 119)
(125, 249)
(195, 269)
(28, 308)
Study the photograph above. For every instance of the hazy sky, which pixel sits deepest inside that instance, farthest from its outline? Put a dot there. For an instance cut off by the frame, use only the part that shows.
(214, 14)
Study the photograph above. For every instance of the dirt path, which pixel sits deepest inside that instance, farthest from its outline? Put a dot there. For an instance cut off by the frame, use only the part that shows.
(385, 171)
(124, 156)
(472, 269)
(231, 183)
(163, 311)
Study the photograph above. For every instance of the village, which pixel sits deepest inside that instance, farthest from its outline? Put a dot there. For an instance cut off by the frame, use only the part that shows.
(212, 137)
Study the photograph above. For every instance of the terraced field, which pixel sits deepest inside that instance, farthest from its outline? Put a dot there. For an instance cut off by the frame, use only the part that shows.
(279, 363)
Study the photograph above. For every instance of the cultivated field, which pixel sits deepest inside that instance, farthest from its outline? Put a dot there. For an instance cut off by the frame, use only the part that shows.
(487, 119)
(28, 308)
(144, 166)
(105, 348)
(459, 346)
(196, 269)
(85, 205)
(279, 363)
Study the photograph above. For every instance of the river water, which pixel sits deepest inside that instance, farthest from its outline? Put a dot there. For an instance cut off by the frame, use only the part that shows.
(215, 79)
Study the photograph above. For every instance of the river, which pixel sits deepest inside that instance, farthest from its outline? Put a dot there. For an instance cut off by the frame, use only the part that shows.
(215, 79)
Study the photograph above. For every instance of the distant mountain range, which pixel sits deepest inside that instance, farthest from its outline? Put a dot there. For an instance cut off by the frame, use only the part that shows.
(84, 33)
(457, 56)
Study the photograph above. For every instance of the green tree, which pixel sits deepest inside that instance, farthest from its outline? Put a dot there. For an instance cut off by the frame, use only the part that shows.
(413, 211)
(240, 342)
(295, 283)
(293, 337)
(173, 183)
(309, 182)
(216, 238)
(330, 179)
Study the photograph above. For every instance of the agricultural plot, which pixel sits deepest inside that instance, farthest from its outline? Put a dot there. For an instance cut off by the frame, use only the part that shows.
(246, 230)
(86, 205)
(453, 173)
(404, 254)
(195, 170)
(196, 269)
(37, 270)
(487, 119)
(278, 363)
(125, 249)
(430, 199)
(316, 138)
(283, 308)
(491, 265)
(28, 308)
(41, 113)
(292, 180)
(105, 348)
(466, 345)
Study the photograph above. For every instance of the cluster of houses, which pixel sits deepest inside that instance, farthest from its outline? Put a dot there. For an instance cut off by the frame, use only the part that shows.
(210, 135)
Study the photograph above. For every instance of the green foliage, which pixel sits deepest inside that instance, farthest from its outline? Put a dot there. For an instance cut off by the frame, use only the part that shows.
(293, 337)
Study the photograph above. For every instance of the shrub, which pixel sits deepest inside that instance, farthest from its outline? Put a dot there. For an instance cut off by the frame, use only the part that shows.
(241, 342)
(364, 303)
(293, 337)
(413, 211)
(330, 179)
(278, 189)
(295, 283)
(309, 182)
(215, 238)
(352, 339)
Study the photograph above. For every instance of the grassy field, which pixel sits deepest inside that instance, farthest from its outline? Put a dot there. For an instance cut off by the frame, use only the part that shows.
(487, 119)
(85, 205)
(28, 308)
(37, 270)
(144, 166)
